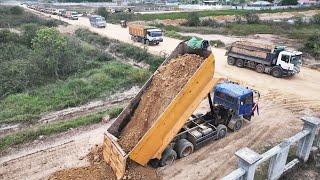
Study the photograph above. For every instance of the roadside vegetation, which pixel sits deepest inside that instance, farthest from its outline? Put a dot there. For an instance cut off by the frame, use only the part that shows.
(123, 50)
(116, 17)
(15, 16)
(54, 128)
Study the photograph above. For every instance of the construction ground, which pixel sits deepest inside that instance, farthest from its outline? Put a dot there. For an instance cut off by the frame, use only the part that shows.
(282, 103)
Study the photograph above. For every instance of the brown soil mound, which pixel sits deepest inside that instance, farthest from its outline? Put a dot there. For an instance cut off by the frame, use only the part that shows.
(99, 170)
(166, 84)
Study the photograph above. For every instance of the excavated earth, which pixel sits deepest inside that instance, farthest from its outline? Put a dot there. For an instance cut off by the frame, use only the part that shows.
(99, 170)
(166, 84)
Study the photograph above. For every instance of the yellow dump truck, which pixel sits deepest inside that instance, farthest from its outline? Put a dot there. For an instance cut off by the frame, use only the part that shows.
(145, 34)
(168, 124)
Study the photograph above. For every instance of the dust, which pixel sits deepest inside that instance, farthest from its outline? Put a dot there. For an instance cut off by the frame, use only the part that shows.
(166, 84)
(100, 170)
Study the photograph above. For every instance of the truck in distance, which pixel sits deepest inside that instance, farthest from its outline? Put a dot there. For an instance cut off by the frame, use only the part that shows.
(97, 21)
(275, 60)
(146, 34)
(72, 15)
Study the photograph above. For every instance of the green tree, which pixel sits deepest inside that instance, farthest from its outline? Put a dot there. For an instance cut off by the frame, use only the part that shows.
(313, 45)
(16, 10)
(102, 11)
(193, 19)
(289, 2)
(29, 32)
(49, 44)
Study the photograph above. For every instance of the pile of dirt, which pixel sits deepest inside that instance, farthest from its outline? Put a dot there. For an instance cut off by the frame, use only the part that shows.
(166, 84)
(99, 170)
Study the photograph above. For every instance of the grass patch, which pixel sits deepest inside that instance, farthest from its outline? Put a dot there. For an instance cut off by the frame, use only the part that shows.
(76, 90)
(50, 129)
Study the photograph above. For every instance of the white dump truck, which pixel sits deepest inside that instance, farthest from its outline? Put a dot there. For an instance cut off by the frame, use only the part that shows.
(275, 60)
(145, 34)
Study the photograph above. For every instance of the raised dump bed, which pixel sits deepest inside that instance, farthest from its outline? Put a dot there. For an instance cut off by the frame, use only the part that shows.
(167, 124)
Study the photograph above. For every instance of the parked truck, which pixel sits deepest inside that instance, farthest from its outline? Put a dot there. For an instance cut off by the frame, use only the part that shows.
(275, 60)
(145, 34)
(97, 21)
(177, 132)
(72, 15)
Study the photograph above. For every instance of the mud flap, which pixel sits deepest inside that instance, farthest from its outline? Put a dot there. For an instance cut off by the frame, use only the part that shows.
(114, 155)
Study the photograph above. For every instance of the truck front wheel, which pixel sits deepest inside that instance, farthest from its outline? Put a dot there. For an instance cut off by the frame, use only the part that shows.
(235, 124)
(239, 63)
(184, 148)
(231, 61)
(276, 72)
(168, 157)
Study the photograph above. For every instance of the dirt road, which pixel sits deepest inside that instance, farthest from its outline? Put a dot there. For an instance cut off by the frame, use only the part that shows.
(283, 102)
(39, 160)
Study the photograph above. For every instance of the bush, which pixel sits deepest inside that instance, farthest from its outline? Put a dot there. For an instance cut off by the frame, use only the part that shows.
(217, 43)
(289, 2)
(316, 19)
(209, 22)
(193, 19)
(313, 46)
(16, 10)
(252, 18)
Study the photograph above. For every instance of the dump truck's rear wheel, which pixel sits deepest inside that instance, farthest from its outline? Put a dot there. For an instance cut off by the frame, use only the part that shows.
(239, 63)
(155, 163)
(168, 157)
(260, 68)
(231, 61)
(221, 131)
(184, 148)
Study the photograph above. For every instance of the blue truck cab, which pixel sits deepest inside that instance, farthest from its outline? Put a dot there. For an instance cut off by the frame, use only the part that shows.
(230, 105)
(236, 98)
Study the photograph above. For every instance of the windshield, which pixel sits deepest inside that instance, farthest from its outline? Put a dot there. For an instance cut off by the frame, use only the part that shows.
(100, 19)
(74, 13)
(156, 34)
(296, 59)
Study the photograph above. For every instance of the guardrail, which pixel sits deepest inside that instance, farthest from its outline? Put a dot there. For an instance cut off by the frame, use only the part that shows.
(248, 160)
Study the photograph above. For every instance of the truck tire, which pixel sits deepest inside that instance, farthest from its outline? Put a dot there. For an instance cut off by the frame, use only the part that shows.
(231, 61)
(155, 163)
(260, 68)
(168, 157)
(276, 72)
(235, 124)
(239, 63)
(184, 148)
(221, 131)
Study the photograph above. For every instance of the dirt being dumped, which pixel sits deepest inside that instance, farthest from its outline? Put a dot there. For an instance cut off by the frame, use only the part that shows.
(166, 84)
(99, 170)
